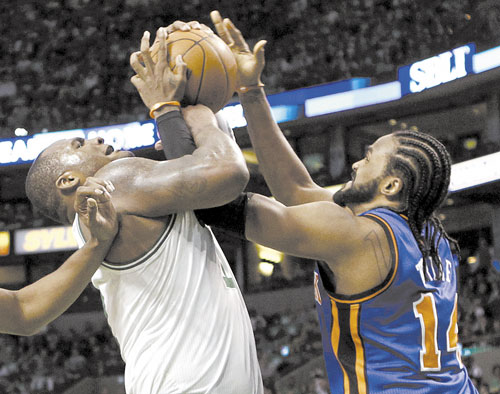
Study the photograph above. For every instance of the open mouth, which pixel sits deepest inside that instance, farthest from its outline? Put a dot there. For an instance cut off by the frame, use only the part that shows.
(109, 150)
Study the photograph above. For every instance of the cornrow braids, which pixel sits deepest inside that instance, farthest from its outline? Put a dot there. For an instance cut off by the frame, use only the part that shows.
(425, 166)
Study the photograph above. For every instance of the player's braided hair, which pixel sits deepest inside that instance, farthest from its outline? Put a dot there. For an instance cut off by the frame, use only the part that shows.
(425, 166)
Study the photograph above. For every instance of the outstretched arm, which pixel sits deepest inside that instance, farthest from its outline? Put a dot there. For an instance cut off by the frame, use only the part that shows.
(356, 248)
(283, 171)
(27, 310)
(318, 230)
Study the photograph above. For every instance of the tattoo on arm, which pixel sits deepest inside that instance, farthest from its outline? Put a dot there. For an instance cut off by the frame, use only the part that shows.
(190, 187)
(380, 257)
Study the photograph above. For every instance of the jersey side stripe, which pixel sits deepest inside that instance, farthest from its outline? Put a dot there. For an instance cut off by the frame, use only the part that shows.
(347, 349)
(360, 365)
(335, 337)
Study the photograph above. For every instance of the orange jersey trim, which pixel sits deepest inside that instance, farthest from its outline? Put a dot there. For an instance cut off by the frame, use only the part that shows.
(396, 263)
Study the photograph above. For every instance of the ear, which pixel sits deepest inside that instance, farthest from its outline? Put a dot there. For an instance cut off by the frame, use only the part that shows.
(392, 186)
(68, 182)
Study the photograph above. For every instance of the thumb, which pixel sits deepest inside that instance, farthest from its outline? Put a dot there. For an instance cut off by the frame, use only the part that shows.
(136, 81)
(258, 51)
(180, 67)
(158, 145)
(92, 211)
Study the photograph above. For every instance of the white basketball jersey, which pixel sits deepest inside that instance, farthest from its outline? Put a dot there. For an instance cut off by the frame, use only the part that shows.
(179, 316)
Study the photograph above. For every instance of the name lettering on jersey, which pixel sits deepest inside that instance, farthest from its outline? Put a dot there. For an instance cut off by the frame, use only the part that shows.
(447, 271)
(317, 294)
(432, 272)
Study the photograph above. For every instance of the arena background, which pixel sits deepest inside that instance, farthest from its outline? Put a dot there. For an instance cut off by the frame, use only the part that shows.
(426, 65)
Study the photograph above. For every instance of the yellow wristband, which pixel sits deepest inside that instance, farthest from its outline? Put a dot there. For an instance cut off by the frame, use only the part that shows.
(244, 89)
(157, 106)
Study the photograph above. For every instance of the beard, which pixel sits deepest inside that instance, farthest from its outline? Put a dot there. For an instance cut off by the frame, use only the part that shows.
(357, 194)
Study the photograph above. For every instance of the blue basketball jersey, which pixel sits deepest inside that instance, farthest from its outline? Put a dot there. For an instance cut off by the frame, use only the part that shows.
(400, 337)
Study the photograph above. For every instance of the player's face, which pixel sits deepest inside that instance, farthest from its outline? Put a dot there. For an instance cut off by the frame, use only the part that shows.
(79, 151)
(367, 174)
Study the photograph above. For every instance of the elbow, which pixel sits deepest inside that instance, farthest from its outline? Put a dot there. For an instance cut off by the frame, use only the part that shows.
(21, 324)
(237, 179)
(226, 177)
(27, 330)
(21, 327)
(242, 176)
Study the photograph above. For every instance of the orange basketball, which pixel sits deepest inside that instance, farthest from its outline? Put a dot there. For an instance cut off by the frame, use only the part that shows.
(212, 69)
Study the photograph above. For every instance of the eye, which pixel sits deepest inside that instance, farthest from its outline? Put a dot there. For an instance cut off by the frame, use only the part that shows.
(78, 143)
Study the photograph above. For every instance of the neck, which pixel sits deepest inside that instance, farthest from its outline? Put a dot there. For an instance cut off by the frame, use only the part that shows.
(377, 202)
(70, 210)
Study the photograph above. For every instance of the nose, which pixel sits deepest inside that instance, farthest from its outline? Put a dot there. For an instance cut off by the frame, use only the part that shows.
(355, 165)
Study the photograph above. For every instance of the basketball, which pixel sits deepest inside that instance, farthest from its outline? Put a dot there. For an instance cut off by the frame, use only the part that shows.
(212, 69)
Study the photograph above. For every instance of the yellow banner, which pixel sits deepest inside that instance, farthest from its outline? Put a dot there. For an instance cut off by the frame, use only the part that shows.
(42, 240)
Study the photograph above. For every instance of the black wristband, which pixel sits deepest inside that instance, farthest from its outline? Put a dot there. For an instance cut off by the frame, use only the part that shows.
(175, 135)
(230, 217)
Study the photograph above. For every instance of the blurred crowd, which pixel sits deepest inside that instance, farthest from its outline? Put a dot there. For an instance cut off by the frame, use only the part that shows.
(64, 63)
(287, 342)
(16, 215)
(479, 298)
(53, 361)
(476, 373)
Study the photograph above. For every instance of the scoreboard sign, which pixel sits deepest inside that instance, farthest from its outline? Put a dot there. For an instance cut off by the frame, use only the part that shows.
(44, 240)
(436, 70)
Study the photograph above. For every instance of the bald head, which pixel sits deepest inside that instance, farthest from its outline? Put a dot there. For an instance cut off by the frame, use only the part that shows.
(79, 155)
(41, 185)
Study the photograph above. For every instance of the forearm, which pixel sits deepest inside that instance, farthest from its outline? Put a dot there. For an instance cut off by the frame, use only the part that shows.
(46, 299)
(266, 224)
(301, 230)
(177, 139)
(174, 133)
(283, 171)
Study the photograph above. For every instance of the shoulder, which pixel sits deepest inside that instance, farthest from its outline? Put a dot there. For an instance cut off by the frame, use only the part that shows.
(365, 255)
(117, 169)
(124, 174)
(345, 232)
(346, 222)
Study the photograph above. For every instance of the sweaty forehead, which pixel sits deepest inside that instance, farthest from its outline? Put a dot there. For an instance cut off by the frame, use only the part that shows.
(57, 146)
(62, 150)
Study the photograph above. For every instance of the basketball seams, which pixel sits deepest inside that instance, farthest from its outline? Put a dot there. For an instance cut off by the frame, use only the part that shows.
(210, 59)
(200, 84)
(205, 38)
(194, 44)
(223, 63)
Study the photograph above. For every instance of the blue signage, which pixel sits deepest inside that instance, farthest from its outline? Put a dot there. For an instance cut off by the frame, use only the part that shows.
(128, 136)
(442, 68)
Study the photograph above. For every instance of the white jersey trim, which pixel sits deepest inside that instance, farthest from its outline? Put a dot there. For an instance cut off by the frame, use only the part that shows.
(143, 258)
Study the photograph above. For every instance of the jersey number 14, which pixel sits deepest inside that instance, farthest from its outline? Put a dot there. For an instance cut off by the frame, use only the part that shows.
(430, 355)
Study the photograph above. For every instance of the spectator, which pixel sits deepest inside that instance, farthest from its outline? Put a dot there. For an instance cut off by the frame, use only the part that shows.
(71, 71)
